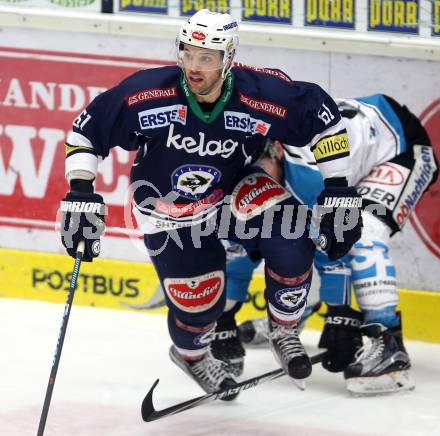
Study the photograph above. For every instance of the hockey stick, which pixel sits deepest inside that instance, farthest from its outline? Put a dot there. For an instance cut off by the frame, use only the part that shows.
(61, 335)
(150, 414)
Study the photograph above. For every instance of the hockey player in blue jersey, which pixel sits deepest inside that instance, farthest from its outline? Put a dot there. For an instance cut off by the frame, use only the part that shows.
(198, 128)
(392, 165)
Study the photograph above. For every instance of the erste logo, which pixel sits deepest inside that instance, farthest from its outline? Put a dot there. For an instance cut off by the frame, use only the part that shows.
(243, 122)
(162, 116)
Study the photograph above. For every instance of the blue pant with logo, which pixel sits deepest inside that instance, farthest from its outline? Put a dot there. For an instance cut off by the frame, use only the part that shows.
(192, 271)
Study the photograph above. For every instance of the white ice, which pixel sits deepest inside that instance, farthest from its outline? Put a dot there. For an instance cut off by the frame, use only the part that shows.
(111, 358)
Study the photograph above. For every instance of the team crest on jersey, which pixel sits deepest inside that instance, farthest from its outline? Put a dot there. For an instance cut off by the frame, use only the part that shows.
(292, 298)
(192, 181)
(163, 116)
(254, 194)
(245, 123)
(195, 294)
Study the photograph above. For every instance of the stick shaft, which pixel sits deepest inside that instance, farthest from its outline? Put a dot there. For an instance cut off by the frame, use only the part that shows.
(60, 342)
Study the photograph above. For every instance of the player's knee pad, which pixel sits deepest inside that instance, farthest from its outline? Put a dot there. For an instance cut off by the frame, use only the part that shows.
(373, 273)
(287, 296)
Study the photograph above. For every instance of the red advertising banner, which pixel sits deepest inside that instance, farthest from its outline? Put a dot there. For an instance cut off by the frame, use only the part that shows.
(41, 93)
(426, 219)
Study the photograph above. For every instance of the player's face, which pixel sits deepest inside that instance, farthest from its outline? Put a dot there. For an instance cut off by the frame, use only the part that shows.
(203, 69)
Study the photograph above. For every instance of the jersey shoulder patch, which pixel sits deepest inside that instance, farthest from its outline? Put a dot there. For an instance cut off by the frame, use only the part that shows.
(151, 85)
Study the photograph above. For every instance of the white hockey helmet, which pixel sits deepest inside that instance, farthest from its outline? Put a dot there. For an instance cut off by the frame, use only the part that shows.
(212, 30)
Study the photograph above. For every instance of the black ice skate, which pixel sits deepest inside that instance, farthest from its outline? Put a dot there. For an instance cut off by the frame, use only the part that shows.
(289, 352)
(226, 345)
(254, 332)
(382, 364)
(210, 373)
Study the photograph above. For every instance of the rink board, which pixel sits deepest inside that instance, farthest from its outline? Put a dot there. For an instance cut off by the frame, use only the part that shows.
(130, 285)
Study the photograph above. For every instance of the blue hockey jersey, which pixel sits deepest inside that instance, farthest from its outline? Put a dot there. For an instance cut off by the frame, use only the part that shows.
(188, 160)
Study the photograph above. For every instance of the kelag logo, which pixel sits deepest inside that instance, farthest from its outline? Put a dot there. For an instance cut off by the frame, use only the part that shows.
(87, 283)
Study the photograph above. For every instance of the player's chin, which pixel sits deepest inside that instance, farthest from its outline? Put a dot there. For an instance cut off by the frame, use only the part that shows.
(196, 85)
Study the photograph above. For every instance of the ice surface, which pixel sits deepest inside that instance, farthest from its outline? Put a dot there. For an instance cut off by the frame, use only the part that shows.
(111, 358)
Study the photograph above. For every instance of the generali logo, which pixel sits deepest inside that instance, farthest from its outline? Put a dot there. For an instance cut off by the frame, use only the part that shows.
(150, 94)
(264, 106)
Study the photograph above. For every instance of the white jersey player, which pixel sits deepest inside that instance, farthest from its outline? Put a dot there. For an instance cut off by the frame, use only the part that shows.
(392, 164)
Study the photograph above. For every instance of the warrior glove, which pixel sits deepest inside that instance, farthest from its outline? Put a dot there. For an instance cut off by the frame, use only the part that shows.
(339, 210)
(83, 219)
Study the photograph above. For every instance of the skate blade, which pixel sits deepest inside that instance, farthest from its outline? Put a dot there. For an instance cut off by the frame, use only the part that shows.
(300, 384)
(399, 381)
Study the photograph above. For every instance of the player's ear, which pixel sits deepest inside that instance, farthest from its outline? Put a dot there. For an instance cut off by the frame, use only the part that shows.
(278, 149)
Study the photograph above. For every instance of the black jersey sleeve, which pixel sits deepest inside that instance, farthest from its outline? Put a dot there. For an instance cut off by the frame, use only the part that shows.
(103, 122)
(314, 121)
(102, 125)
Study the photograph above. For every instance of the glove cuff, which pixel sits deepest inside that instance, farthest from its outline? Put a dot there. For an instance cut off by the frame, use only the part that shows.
(81, 185)
(336, 182)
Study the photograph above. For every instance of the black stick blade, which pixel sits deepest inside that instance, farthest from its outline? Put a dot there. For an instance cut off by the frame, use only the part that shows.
(150, 414)
(147, 408)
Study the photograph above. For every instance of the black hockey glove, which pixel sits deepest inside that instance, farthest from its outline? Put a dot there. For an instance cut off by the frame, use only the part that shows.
(83, 218)
(341, 337)
(339, 207)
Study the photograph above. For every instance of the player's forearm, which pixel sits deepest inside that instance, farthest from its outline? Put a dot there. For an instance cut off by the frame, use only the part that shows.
(337, 168)
(81, 159)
